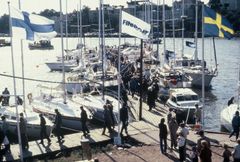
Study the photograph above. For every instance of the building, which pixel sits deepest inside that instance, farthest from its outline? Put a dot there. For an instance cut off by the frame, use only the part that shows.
(233, 5)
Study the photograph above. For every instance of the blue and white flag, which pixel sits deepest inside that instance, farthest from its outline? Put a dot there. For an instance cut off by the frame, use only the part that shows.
(31, 26)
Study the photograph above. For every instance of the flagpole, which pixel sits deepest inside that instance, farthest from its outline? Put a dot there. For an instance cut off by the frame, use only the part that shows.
(203, 68)
(22, 59)
(63, 69)
(119, 70)
(14, 84)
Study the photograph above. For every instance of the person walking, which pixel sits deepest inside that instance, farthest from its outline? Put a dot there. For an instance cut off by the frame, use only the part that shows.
(163, 136)
(6, 97)
(5, 130)
(43, 130)
(107, 120)
(84, 119)
(110, 108)
(197, 114)
(236, 152)
(226, 153)
(150, 98)
(205, 153)
(124, 118)
(173, 127)
(58, 125)
(181, 147)
(235, 125)
(202, 138)
(23, 132)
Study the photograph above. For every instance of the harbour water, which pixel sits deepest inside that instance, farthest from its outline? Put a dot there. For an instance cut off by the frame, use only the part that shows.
(224, 86)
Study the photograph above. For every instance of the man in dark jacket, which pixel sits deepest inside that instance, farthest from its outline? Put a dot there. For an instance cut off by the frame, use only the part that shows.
(124, 118)
(6, 96)
(163, 136)
(110, 108)
(235, 125)
(84, 121)
(43, 131)
(107, 120)
(150, 98)
(58, 125)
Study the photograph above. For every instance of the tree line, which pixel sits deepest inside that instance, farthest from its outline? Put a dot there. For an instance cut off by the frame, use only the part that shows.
(90, 19)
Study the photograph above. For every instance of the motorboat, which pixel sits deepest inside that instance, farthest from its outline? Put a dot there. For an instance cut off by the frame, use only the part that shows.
(32, 120)
(46, 103)
(183, 101)
(4, 42)
(41, 45)
(169, 78)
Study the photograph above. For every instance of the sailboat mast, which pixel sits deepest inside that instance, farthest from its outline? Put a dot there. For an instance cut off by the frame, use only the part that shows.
(78, 26)
(66, 25)
(164, 32)
(203, 68)
(183, 17)
(14, 84)
(215, 54)
(158, 54)
(81, 35)
(173, 29)
(63, 69)
(102, 45)
(196, 31)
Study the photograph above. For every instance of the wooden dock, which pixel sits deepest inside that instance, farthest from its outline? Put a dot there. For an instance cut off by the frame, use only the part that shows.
(145, 131)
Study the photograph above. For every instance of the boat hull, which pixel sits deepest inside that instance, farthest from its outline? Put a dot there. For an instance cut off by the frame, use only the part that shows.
(197, 79)
(79, 87)
(33, 130)
(227, 115)
(57, 66)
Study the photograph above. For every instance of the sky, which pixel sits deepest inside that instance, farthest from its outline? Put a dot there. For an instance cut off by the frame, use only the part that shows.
(39, 5)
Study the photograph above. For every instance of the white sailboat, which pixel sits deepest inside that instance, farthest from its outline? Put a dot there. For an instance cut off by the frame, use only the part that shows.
(46, 103)
(32, 121)
(193, 66)
(228, 112)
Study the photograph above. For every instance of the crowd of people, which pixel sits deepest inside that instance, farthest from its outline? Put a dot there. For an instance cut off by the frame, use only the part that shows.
(202, 150)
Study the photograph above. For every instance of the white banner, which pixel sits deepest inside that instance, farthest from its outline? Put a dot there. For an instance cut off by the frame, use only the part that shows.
(134, 26)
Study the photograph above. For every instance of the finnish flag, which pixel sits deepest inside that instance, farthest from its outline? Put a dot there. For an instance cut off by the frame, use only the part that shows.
(31, 26)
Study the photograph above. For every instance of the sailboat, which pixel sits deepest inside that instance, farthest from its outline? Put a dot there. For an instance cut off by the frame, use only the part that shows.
(32, 120)
(228, 112)
(46, 103)
(193, 66)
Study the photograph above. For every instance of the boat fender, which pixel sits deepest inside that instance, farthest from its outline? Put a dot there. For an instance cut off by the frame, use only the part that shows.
(69, 79)
(29, 96)
(174, 81)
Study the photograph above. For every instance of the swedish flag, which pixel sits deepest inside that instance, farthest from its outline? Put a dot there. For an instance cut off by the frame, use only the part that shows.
(215, 25)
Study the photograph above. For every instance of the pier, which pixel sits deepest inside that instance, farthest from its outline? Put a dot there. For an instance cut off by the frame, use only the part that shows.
(145, 131)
